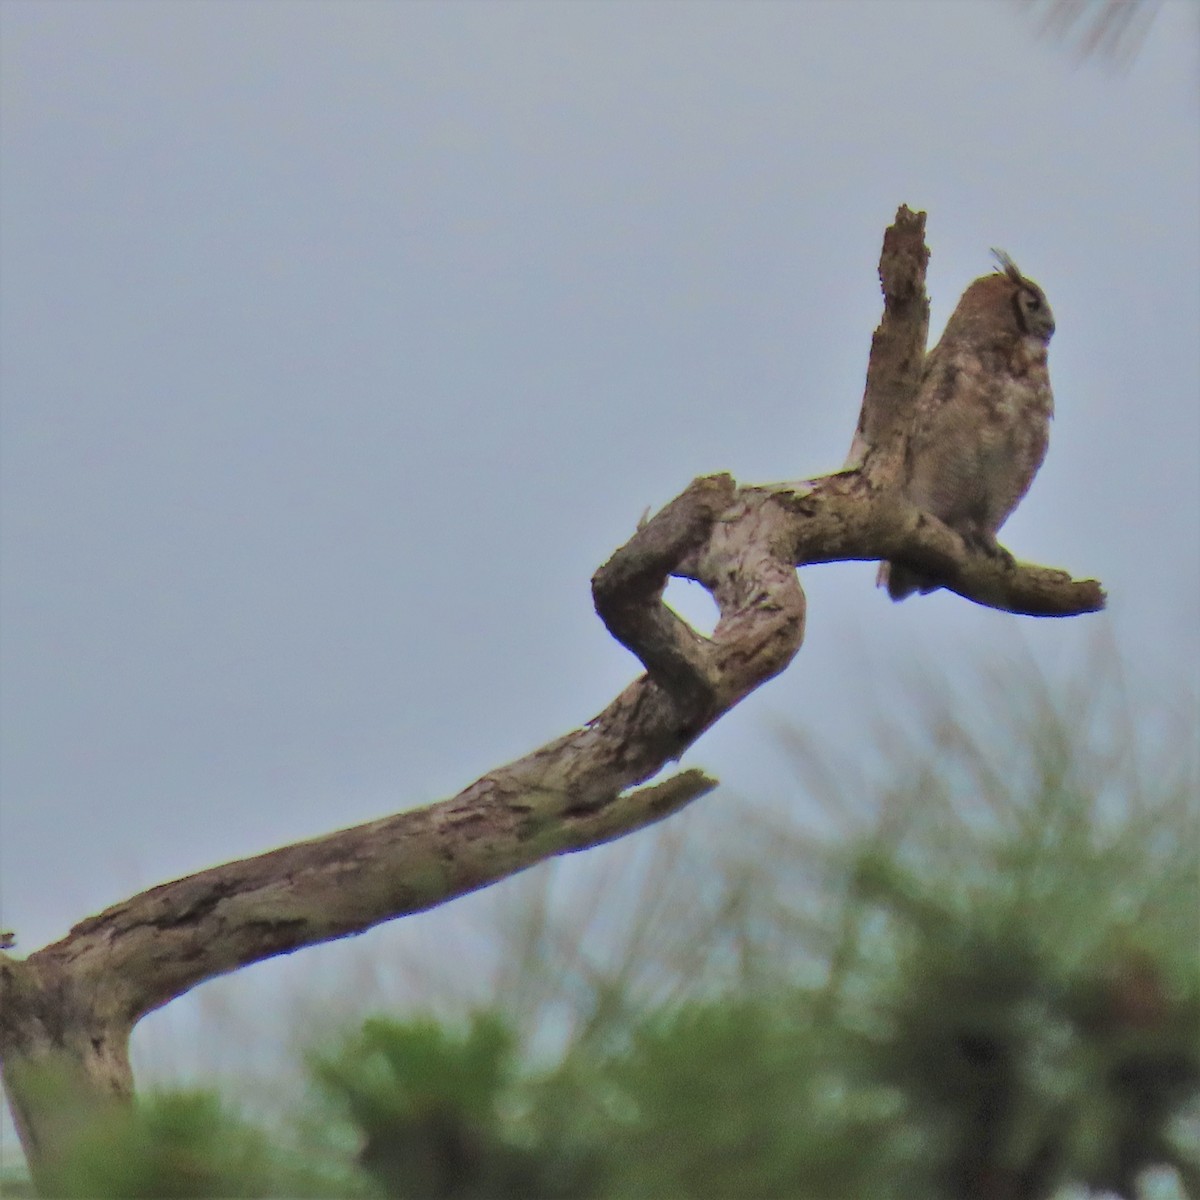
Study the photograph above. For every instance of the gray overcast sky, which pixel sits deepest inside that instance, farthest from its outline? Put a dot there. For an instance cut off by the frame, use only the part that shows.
(342, 342)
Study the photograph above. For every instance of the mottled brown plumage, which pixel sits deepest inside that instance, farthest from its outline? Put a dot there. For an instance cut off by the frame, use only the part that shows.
(982, 416)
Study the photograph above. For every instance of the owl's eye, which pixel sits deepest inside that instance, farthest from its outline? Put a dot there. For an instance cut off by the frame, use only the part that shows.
(1032, 301)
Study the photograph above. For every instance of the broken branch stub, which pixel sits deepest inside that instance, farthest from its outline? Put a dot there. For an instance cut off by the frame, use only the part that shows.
(897, 352)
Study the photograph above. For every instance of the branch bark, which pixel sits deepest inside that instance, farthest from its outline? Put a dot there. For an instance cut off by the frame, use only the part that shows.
(71, 1006)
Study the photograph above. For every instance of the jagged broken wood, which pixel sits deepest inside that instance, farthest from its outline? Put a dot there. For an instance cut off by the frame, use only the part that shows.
(72, 1005)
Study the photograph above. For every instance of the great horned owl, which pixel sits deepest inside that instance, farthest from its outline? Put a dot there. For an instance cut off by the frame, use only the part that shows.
(982, 416)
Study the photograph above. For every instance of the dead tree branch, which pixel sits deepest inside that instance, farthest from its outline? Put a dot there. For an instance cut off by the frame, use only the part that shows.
(73, 1004)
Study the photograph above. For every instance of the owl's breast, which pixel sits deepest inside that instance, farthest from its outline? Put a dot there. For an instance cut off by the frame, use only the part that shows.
(1019, 429)
(981, 431)
(1016, 401)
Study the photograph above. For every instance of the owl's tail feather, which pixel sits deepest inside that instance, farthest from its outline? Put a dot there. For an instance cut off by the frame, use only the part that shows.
(901, 582)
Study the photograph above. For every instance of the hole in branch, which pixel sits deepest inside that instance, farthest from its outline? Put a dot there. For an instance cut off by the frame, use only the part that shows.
(693, 603)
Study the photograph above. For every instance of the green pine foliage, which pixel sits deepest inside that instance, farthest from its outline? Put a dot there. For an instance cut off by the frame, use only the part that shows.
(444, 1115)
(740, 1098)
(987, 990)
(1022, 1071)
(984, 984)
(1029, 944)
(183, 1145)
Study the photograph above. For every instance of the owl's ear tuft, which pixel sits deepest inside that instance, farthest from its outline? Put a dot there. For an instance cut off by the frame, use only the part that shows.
(1006, 264)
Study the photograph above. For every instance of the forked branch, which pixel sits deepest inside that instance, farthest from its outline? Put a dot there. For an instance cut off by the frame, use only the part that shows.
(74, 1003)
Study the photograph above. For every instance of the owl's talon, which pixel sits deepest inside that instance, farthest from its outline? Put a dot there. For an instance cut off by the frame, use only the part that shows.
(982, 542)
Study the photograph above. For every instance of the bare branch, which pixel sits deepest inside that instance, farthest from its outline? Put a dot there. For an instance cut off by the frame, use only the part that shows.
(628, 593)
(76, 1000)
(846, 518)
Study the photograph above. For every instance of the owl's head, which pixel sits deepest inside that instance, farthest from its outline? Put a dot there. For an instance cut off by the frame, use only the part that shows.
(1030, 309)
(1001, 309)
